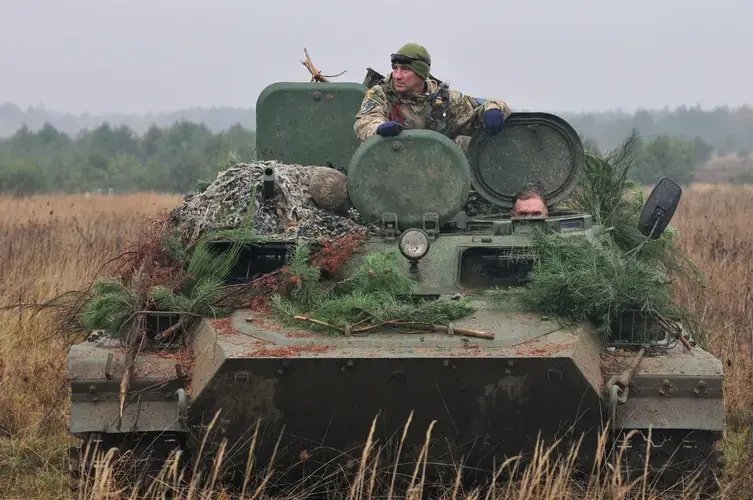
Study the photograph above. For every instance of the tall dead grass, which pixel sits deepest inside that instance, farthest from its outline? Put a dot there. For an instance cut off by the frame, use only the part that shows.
(49, 245)
(547, 477)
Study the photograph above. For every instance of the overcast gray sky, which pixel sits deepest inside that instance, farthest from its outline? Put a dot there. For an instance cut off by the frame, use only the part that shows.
(554, 55)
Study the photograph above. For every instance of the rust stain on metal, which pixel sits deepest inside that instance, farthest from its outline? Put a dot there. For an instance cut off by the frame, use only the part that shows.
(184, 354)
(141, 372)
(611, 364)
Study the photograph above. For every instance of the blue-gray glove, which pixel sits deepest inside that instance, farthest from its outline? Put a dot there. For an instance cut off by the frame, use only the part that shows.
(494, 121)
(389, 129)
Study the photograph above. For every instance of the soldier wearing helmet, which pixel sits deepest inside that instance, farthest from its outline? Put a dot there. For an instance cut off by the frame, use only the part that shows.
(409, 98)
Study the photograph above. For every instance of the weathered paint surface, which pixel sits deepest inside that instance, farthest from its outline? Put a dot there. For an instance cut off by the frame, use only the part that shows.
(308, 124)
(442, 269)
(96, 368)
(533, 148)
(678, 390)
(138, 416)
(89, 361)
(416, 173)
(489, 397)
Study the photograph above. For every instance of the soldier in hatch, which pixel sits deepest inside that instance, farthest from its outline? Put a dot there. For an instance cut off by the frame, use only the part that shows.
(529, 202)
(409, 99)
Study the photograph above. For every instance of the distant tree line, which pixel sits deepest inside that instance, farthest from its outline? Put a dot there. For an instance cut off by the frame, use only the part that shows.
(217, 118)
(663, 156)
(166, 159)
(175, 157)
(727, 130)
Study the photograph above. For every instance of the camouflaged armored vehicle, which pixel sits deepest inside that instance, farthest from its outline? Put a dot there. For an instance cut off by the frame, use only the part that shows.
(490, 397)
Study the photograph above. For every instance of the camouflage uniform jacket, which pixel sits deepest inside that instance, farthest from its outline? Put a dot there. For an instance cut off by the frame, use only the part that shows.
(446, 111)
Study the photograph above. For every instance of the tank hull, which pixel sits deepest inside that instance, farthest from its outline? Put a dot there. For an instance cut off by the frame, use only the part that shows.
(312, 400)
(483, 399)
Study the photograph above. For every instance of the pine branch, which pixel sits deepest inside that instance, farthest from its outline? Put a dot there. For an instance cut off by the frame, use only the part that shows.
(182, 324)
(378, 293)
(577, 279)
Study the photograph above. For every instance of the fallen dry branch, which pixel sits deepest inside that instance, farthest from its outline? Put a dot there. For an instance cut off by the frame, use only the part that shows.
(419, 327)
(317, 322)
(316, 75)
(467, 332)
(674, 330)
(181, 325)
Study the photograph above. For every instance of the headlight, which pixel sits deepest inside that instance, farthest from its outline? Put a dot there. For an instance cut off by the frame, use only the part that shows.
(414, 244)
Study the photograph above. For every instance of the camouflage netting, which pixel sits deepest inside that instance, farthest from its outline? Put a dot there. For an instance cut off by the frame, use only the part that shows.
(290, 214)
(176, 267)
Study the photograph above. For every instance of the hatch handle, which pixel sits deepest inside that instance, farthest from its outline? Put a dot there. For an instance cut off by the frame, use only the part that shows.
(389, 225)
(431, 224)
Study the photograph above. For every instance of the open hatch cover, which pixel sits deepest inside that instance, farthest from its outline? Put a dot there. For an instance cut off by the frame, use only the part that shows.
(534, 148)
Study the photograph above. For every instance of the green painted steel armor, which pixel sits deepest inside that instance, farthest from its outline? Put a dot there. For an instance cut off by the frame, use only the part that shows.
(489, 398)
(416, 175)
(308, 123)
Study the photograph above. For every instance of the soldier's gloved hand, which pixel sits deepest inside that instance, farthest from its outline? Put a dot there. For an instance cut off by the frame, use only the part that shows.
(389, 129)
(494, 121)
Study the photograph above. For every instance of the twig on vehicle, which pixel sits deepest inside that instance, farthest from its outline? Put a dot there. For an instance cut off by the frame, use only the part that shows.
(316, 75)
(418, 327)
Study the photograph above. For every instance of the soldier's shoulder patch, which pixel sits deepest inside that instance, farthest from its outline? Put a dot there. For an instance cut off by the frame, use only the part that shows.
(480, 100)
(368, 106)
(456, 94)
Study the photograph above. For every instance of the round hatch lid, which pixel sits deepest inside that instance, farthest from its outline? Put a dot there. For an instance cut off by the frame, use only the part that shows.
(416, 173)
(533, 148)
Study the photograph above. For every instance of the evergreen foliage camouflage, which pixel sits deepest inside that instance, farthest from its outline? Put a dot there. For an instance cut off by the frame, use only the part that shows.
(573, 278)
(110, 308)
(578, 279)
(622, 272)
(378, 293)
(615, 201)
(115, 304)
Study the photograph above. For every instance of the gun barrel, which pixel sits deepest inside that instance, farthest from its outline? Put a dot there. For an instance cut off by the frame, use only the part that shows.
(269, 182)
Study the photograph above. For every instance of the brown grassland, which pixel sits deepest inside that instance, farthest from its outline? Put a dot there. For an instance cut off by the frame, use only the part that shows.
(52, 244)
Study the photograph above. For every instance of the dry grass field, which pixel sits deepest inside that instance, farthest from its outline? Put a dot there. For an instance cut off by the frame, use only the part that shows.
(52, 244)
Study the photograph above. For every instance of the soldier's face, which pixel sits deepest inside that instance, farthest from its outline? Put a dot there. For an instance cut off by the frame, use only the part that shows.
(532, 207)
(405, 80)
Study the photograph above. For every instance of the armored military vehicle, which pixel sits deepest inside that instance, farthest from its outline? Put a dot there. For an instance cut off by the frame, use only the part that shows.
(491, 396)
